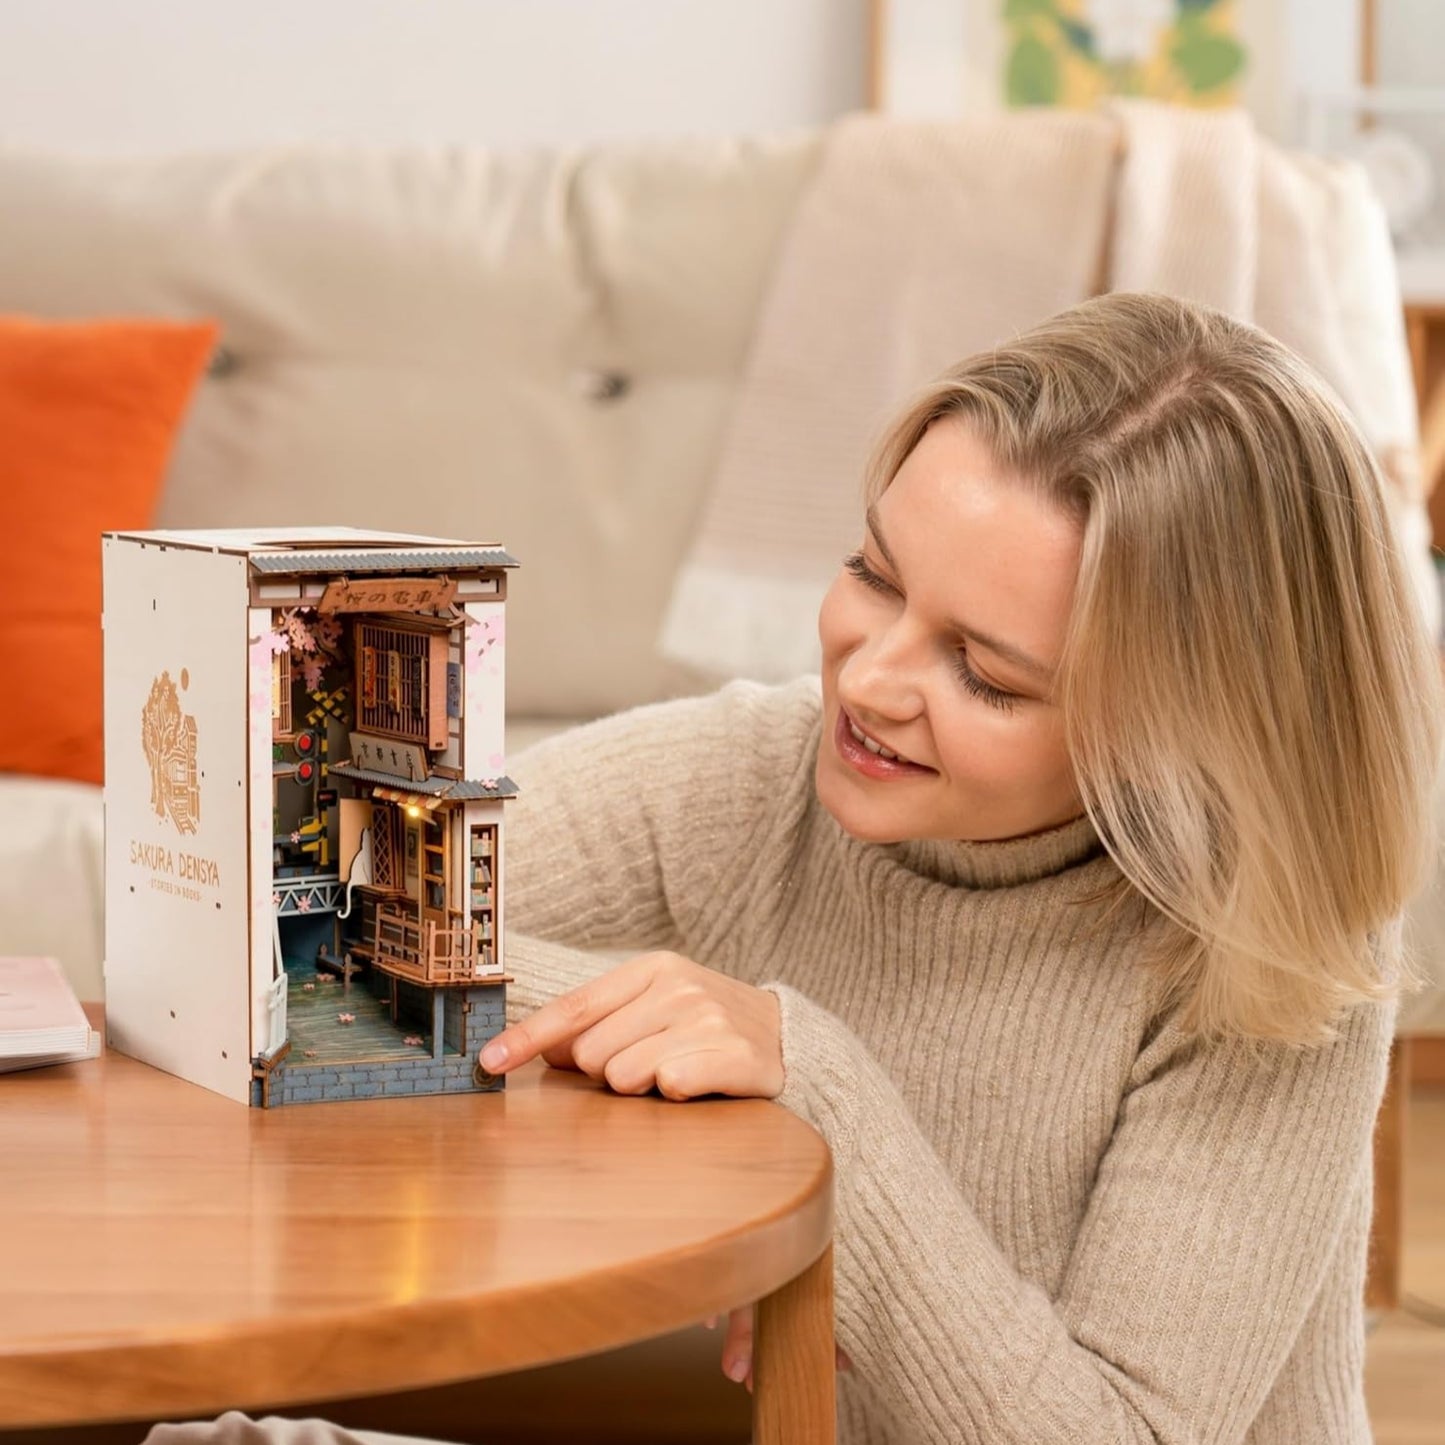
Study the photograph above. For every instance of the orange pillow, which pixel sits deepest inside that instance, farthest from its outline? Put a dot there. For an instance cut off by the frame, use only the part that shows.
(88, 413)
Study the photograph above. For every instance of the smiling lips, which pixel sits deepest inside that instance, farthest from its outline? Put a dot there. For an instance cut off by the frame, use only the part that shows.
(867, 755)
(873, 747)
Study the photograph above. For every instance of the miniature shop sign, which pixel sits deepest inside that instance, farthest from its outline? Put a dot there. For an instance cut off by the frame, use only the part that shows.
(406, 761)
(388, 594)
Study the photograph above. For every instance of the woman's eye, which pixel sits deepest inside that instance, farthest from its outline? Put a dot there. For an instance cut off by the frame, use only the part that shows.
(859, 568)
(973, 683)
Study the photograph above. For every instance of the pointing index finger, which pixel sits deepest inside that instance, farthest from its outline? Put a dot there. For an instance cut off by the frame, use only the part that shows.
(561, 1020)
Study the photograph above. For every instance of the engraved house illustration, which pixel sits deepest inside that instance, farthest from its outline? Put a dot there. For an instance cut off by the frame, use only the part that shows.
(305, 796)
(169, 738)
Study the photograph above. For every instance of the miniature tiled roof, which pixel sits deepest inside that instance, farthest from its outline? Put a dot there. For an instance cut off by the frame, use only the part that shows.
(353, 561)
(468, 790)
(448, 790)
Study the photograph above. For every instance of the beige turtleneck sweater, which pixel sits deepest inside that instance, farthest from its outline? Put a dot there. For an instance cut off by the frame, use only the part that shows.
(1058, 1220)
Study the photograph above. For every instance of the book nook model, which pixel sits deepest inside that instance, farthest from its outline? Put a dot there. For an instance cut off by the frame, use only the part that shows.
(304, 799)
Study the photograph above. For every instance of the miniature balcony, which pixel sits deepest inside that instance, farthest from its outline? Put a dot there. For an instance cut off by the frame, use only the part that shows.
(423, 953)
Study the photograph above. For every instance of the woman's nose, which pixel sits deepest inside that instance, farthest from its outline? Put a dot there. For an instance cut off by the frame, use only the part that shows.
(880, 682)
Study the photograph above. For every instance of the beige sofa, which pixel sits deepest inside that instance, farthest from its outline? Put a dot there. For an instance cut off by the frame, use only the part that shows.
(540, 349)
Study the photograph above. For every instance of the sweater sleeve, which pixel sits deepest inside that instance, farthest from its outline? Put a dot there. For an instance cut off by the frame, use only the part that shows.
(1213, 1217)
(635, 832)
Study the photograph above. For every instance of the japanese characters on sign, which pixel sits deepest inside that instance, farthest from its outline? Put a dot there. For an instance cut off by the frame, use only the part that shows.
(386, 755)
(388, 594)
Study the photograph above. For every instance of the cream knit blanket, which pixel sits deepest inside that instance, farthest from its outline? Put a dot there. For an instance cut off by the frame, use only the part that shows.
(917, 244)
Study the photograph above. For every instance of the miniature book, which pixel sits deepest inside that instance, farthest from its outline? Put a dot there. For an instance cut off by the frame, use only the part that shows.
(304, 797)
(41, 1020)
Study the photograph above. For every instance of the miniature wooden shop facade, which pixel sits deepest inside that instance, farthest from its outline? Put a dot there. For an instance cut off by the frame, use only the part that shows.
(305, 795)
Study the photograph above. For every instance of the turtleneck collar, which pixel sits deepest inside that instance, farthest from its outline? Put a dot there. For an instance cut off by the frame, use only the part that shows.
(1002, 864)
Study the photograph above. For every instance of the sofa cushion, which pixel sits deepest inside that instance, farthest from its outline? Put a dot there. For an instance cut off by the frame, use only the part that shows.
(51, 866)
(537, 349)
(88, 415)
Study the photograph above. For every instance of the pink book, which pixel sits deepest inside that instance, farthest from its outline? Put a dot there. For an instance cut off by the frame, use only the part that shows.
(41, 1020)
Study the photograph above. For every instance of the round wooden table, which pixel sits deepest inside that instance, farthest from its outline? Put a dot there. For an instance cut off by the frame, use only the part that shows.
(172, 1254)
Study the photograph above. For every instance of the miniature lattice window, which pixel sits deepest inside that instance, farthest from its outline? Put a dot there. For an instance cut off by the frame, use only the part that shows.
(281, 694)
(402, 683)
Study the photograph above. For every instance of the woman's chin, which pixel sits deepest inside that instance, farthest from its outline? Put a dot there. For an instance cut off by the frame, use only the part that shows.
(856, 817)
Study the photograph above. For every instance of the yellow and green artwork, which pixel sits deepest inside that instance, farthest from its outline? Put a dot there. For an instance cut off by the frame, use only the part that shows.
(1076, 52)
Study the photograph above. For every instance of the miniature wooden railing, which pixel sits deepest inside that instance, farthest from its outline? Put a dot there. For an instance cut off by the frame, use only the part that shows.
(461, 952)
(426, 954)
(397, 947)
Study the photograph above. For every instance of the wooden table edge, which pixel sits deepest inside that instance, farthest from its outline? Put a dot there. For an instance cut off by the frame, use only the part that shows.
(325, 1357)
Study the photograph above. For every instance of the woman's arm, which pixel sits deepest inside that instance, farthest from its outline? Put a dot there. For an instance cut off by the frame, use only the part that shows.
(1213, 1218)
(634, 832)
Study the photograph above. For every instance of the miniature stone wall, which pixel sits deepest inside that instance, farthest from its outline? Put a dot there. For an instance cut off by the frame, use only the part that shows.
(472, 1017)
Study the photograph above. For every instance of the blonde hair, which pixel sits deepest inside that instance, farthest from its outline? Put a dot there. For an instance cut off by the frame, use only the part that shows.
(1250, 699)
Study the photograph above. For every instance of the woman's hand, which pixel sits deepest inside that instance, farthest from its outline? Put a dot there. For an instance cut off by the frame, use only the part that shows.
(737, 1350)
(657, 1021)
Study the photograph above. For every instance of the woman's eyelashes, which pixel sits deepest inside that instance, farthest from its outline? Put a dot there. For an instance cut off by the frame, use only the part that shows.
(972, 682)
(857, 565)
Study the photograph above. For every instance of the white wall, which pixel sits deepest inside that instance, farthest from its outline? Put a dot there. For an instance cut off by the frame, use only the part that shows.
(1412, 42)
(144, 76)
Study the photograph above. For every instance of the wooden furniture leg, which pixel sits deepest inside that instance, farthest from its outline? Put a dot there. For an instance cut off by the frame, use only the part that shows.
(1432, 436)
(1427, 1061)
(794, 1361)
(1382, 1284)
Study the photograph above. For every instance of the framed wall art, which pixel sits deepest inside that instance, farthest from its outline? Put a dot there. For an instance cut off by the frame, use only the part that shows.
(948, 57)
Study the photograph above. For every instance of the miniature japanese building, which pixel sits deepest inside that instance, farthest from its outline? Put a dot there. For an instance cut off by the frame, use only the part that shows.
(305, 793)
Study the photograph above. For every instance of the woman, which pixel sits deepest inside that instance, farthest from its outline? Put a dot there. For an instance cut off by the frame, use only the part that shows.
(1065, 910)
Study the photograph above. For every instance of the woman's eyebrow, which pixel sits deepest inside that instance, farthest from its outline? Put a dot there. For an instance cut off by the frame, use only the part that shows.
(1006, 650)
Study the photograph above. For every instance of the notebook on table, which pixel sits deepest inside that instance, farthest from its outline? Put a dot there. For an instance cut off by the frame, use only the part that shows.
(41, 1020)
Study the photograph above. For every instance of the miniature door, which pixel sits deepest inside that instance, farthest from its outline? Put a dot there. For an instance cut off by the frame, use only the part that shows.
(435, 872)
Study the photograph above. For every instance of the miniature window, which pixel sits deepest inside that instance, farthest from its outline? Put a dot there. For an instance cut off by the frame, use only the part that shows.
(402, 682)
(482, 900)
(280, 694)
(385, 870)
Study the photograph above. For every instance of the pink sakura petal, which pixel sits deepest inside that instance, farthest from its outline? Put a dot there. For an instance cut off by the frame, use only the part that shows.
(296, 837)
(411, 1039)
(300, 634)
(303, 904)
(346, 1018)
(308, 1053)
(275, 900)
(308, 987)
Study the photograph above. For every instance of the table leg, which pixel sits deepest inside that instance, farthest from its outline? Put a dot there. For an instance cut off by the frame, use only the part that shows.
(794, 1361)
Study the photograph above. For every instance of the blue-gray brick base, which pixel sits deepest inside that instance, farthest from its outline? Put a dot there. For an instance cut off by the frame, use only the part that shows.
(470, 1016)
